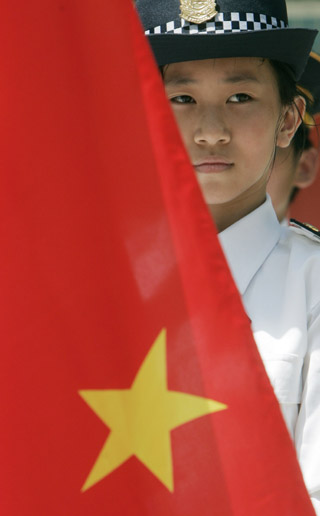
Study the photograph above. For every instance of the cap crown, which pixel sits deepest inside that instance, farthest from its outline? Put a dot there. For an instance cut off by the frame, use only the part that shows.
(186, 30)
(159, 12)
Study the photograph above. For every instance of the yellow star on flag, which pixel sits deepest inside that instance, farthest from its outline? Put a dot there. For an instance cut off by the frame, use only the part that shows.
(141, 418)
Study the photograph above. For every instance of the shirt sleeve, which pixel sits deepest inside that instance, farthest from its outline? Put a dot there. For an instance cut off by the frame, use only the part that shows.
(307, 432)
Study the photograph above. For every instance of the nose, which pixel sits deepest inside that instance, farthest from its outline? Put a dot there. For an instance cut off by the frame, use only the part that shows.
(211, 128)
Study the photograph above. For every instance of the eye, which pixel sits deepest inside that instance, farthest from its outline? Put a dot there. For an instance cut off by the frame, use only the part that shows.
(239, 98)
(182, 99)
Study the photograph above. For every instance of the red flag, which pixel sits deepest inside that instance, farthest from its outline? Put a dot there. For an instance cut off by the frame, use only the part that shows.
(130, 381)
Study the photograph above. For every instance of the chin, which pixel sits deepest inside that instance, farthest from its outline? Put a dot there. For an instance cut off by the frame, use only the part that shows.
(214, 198)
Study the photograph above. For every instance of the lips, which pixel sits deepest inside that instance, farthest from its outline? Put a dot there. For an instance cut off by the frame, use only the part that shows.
(212, 164)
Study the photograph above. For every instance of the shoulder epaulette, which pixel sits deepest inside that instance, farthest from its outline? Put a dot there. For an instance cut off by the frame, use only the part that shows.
(308, 227)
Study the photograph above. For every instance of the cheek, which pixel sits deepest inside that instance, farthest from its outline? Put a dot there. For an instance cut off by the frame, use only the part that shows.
(257, 134)
(184, 123)
(181, 119)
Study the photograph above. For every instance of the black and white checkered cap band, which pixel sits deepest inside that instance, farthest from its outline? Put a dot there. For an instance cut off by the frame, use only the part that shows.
(222, 23)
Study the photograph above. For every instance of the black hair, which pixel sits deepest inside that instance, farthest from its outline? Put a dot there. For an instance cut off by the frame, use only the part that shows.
(286, 82)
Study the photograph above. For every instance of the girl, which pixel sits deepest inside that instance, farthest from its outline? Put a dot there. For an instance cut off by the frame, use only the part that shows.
(230, 74)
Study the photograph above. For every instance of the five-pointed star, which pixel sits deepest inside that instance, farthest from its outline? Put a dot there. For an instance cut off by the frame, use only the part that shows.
(141, 418)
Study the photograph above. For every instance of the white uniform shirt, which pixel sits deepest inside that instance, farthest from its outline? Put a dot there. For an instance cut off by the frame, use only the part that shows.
(277, 271)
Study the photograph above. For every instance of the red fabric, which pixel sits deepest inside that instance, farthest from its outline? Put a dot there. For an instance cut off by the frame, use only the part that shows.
(105, 241)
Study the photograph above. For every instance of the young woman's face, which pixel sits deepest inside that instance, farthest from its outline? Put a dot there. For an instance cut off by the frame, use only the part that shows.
(228, 112)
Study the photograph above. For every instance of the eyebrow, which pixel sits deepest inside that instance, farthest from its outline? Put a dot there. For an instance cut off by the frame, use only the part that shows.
(180, 81)
(241, 78)
(232, 79)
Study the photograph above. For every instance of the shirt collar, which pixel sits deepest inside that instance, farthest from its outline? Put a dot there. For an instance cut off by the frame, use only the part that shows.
(249, 241)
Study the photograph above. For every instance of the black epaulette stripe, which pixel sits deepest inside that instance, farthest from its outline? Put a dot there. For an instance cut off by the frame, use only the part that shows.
(306, 226)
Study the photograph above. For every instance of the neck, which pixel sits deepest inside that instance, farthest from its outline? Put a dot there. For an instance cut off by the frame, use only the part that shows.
(226, 214)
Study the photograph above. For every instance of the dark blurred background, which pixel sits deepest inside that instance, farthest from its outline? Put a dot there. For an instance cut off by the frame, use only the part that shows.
(305, 13)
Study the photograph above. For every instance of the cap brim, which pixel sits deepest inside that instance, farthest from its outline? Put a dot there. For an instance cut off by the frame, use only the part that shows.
(287, 45)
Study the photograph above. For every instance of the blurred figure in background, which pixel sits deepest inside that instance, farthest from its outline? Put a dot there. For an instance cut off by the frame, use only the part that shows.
(294, 171)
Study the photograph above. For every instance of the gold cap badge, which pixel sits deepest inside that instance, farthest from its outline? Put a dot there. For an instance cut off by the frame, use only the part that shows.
(197, 11)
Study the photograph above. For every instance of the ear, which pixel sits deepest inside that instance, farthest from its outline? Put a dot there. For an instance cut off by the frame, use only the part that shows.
(290, 121)
(307, 168)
